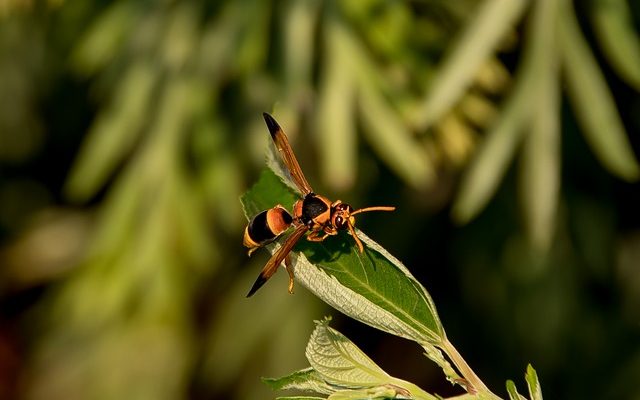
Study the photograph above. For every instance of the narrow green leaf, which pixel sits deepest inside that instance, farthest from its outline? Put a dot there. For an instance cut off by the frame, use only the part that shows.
(372, 287)
(392, 140)
(513, 392)
(540, 168)
(384, 129)
(613, 23)
(336, 118)
(535, 393)
(490, 164)
(299, 24)
(493, 20)
(104, 39)
(592, 101)
(252, 49)
(306, 379)
(113, 134)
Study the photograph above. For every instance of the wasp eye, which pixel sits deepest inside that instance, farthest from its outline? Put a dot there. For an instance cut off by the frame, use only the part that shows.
(339, 222)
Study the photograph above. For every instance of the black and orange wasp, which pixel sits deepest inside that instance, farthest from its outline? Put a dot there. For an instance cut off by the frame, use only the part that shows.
(313, 213)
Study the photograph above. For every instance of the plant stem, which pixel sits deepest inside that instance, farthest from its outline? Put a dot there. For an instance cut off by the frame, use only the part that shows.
(474, 383)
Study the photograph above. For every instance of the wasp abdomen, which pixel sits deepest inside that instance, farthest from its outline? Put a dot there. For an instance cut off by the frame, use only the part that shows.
(266, 227)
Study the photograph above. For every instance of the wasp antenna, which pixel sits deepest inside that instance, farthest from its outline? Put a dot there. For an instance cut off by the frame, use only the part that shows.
(273, 126)
(376, 208)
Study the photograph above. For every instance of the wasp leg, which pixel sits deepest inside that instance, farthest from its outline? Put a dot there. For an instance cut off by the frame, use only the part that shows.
(289, 268)
(315, 235)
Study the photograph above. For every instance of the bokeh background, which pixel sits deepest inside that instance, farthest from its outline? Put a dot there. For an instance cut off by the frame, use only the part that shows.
(505, 132)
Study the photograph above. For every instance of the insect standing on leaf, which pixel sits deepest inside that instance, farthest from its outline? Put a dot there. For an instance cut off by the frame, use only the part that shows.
(312, 213)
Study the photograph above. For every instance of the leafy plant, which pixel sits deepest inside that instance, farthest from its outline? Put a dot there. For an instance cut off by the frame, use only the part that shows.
(374, 288)
(530, 116)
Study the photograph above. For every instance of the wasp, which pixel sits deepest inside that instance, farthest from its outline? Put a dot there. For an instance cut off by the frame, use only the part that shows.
(313, 214)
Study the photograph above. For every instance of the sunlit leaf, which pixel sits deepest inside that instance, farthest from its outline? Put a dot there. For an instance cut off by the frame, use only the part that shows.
(535, 393)
(513, 392)
(299, 23)
(105, 38)
(593, 102)
(495, 153)
(306, 379)
(114, 133)
(340, 362)
(392, 139)
(476, 44)
(253, 47)
(372, 287)
(540, 168)
(301, 398)
(335, 119)
(179, 37)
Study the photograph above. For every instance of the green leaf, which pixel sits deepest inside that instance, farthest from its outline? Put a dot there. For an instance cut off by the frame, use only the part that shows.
(493, 20)
(535, 393)
(114, 133)
(481, 180)
(540, 168)
(390, 137)
(300, 398)
(342, 371)
(377, 393)
(306, 379)
(341, 363)
(613, 23)
(373, 287)
(337, 139)
(383, 127)
(300, 22)
(102, 42)
(592, 101)
(513, 392)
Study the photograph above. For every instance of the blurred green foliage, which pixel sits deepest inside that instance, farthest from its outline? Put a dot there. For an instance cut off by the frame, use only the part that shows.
(128, 131)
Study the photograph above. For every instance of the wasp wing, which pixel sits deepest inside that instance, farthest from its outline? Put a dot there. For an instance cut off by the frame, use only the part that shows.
(289, 158)
(276, 259)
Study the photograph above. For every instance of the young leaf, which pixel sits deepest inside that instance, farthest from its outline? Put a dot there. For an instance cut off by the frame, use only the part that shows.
(513, 392)
(535, 393)
(376, 393)
(372, 287)
(341, 363)
(306, 379)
